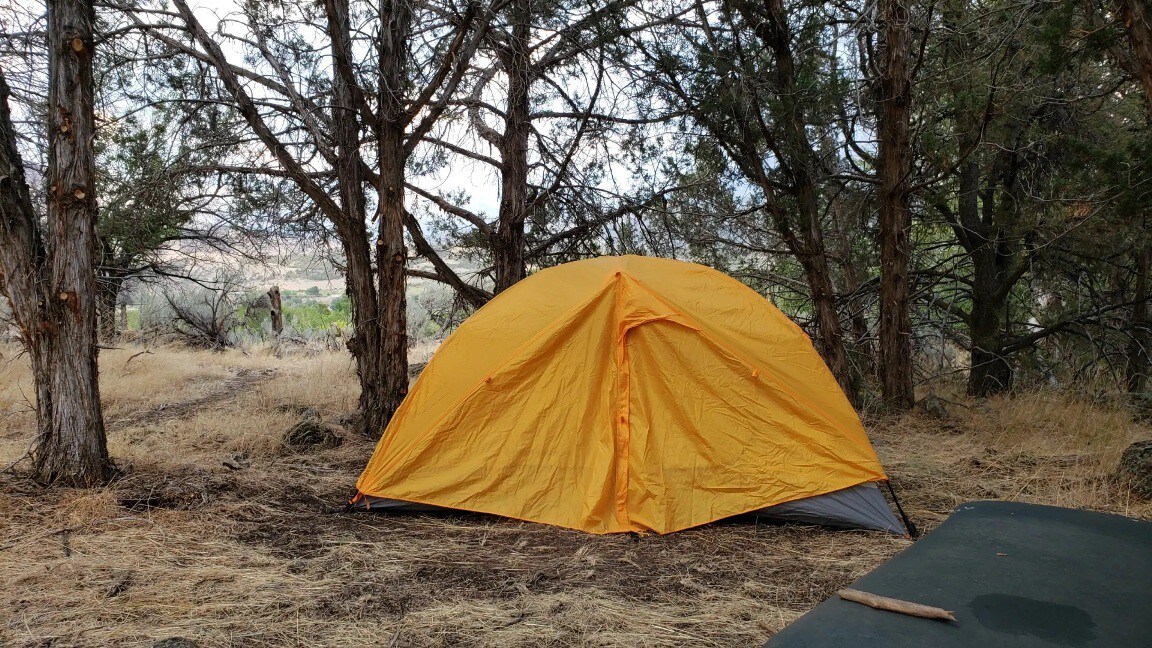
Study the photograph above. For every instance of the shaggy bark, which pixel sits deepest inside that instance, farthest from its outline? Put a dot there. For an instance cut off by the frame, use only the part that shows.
(350, 223)
(49, 276)
(396, 22)
(804, 234)
(1137, 21)
(399, 118)
(508, 246)
(895, 169)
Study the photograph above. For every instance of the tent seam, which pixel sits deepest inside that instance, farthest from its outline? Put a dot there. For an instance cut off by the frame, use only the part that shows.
(740, 357)
(512, 356)
(623, 439)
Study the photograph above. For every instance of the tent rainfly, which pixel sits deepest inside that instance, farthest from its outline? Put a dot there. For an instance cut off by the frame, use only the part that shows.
(629, 394)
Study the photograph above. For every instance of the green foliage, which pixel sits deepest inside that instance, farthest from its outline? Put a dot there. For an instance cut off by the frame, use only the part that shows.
(313, 317)
(141, 203)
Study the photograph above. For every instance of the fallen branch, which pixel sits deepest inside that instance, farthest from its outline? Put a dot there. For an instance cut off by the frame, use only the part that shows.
(134, 356)
(895, 605)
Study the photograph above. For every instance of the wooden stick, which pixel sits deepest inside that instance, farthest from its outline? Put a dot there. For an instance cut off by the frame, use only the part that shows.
(895, 605)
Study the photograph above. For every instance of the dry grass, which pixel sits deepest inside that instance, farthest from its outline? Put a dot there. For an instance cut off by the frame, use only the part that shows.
(261, 556)
(1045, 447)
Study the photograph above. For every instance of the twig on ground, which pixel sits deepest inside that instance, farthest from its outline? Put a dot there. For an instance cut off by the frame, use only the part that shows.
(895, 605)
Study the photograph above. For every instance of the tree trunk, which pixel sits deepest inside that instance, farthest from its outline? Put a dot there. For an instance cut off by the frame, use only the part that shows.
(123, 316)
(990, 366)
(21, 241)
(392, 257)
(508, 248)
(379, 380)
(806, 239)
(857, 308)
(51, 284)
(351, 228)
(508, 254)
(831, 335)
(1137, 369)
(276, 310)
(107, 295)
(391, 263)
(1134, 14)
(813, 254)
(991, 369)
(895, 168)
(365, 343)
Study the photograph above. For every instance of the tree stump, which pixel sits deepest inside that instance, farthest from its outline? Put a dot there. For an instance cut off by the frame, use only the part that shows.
(276, 308)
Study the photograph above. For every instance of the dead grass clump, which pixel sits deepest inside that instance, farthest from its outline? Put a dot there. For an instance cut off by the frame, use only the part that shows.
(326, 382)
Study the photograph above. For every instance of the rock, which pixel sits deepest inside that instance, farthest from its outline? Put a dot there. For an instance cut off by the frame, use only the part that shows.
(175, 642)
(1136, 468)
(1141, 405)
(934, 407)
(312, 432)
(122, 580)
(238, 461)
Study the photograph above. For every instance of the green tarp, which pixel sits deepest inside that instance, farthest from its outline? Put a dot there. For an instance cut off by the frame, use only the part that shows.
(1019, 575)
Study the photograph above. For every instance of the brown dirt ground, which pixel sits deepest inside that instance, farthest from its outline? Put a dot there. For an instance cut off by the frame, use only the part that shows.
(261, 554)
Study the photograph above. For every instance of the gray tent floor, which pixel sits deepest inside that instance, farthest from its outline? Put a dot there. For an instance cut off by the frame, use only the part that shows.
(857, 507)
(1019, 575)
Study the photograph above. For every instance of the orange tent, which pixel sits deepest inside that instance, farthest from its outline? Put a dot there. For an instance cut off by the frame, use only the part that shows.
(626, 394)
